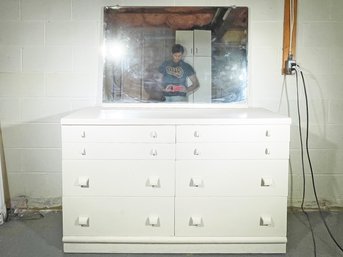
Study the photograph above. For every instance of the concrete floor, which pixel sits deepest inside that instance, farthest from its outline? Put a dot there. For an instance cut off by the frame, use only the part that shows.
(42, 238)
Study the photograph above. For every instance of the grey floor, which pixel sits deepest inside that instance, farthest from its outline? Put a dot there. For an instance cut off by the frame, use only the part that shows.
(42, 238)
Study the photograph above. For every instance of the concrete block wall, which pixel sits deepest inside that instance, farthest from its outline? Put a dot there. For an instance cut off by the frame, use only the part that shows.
(319, 47)
(50, 66)
(49, 57)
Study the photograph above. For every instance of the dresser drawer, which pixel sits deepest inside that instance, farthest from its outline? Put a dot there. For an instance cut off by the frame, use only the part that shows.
(117, 151)
(231, 217)
(118, 178)
(152, 134)
(117, 216)
(232, 178)
(232, 150)
(232, 133)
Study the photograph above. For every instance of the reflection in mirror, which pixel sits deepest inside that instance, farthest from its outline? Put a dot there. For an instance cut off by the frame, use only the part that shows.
(175, 54)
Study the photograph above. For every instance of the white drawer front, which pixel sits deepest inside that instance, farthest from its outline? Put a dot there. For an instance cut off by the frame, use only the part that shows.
(118, 178)
(158, 134)
(133, 216)
(232, 133)
(233, 150)
(103, 151)
(232, 178)
(226, 216)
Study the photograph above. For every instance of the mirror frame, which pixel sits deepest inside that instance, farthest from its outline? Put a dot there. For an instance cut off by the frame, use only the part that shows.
(233, 3)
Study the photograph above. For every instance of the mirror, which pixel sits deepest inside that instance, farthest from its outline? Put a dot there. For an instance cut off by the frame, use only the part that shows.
(175, 54)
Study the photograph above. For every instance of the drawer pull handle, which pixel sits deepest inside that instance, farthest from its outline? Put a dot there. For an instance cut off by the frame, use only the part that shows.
(83, 182)
(266, 221)
(153, 182)
(267, 151)
(83, 221)
(196, 182)
(83, 153)
(153, 134)
(196, 134)
(196, 152)
(266, 182)
(153, 221)
(83, 134)
(196, 221)
(153, 152)
(268, 133)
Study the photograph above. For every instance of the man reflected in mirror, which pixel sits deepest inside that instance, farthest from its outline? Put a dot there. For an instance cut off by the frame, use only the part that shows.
(174, 74)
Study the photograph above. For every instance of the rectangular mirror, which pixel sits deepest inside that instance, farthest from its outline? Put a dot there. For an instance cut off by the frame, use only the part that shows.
(175, 54)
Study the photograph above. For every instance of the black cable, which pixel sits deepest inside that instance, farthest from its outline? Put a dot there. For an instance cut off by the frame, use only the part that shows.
(310, 164)
(303, 169)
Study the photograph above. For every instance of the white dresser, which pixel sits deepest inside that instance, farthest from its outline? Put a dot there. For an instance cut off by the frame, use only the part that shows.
(178, 181)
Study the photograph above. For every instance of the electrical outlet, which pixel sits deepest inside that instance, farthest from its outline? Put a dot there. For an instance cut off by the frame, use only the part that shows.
(289, 66)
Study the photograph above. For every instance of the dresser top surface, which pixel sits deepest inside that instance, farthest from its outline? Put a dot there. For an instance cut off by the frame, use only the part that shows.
(165, 116)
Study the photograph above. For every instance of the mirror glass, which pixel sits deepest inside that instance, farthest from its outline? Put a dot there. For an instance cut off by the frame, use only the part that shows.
(175, 54)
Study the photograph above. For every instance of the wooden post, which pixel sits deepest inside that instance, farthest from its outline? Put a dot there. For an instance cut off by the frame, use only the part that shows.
(287, 32)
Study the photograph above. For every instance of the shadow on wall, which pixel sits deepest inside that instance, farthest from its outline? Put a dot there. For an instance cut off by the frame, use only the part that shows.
(323, 157)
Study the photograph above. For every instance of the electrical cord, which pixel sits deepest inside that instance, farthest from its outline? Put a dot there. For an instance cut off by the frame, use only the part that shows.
(298, 69)
(303, 169)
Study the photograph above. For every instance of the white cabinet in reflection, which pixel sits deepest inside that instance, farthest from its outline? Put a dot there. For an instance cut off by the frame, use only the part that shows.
(197, 44)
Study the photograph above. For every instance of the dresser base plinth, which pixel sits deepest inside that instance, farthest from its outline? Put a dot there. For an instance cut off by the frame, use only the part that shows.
(174, 247)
